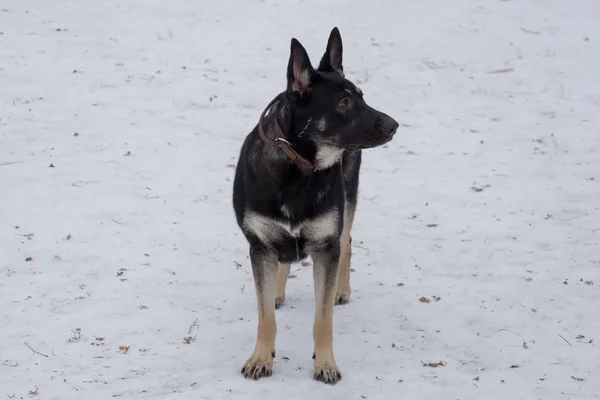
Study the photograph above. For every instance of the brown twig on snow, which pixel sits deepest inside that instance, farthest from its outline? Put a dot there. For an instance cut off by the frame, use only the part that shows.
(501, 71)
(565, 340)
(35, 351)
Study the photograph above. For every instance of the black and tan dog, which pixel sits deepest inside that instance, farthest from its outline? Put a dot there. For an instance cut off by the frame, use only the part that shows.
(295, 194)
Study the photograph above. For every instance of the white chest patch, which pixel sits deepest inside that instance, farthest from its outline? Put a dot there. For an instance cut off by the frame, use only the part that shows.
(286, 211)
(270, 230)
(321, 227)
(321, 124)
(327, 156)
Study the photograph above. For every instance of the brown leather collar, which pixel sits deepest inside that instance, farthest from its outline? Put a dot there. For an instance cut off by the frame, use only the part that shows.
(281, 141)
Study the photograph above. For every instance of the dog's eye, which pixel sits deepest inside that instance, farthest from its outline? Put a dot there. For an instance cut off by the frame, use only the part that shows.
(344, 103)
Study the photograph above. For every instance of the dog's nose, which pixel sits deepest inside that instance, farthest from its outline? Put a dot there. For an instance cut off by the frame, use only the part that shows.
(390, 126)
(393, 128)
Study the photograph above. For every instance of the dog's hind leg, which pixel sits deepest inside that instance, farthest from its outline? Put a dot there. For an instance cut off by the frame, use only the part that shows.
(264, 269)
(325, 273)
(283, 272)
(342, 295)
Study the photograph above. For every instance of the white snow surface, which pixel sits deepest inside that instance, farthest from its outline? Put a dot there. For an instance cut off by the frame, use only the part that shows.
(131, 236)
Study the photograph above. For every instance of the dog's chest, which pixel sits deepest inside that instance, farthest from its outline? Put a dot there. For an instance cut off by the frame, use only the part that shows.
(273, 231)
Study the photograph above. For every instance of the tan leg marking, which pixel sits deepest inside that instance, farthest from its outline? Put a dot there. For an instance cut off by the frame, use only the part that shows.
(343, 291)
(283, 272)
(260, 363)
(325, 368)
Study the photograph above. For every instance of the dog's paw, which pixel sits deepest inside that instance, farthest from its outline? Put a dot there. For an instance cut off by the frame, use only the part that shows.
(327, 373)
(342, 297)
(258, 366)
(279, 300)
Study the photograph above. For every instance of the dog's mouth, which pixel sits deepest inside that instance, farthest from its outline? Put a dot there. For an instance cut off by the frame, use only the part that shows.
(369, 143)
(362, 146)
(354, 147)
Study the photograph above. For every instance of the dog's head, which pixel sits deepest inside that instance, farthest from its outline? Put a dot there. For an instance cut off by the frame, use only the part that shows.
(329, 110)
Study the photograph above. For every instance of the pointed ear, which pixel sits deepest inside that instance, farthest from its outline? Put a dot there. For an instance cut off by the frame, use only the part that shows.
(300, 72)
(332, 59)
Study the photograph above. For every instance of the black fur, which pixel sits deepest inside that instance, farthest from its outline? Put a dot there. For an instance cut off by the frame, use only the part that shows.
(327, 121)
(266, 179)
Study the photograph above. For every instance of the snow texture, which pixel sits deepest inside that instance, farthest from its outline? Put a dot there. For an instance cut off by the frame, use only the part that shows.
(124, 275)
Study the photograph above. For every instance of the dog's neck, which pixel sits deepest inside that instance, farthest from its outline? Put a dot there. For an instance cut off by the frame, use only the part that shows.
(322, 156)
(327, 156)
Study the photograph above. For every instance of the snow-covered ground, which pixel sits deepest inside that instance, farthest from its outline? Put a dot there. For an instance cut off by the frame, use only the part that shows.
(124, 275)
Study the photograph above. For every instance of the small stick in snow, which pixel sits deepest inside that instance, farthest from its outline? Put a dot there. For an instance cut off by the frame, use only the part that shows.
(565, 340)
(508, 330)
(194, 324)
(364, 248)
(36, 352)
(501, 71)
(34, 392)
(16, 364)
(530, 31)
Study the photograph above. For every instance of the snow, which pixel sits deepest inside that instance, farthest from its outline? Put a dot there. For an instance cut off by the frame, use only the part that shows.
(133, 240)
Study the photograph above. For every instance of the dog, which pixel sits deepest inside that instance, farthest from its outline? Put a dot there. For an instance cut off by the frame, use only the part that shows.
(295, 194)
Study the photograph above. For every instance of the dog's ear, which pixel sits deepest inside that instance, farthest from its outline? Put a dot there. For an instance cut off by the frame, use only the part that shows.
(300, 71)
(332, 59)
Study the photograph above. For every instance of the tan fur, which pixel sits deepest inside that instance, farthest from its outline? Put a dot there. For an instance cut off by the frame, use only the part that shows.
(325, 368)
(260, 362)
(283, 272)
(343, 291)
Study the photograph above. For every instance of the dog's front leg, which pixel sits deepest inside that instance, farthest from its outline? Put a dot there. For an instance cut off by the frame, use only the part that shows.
(342, 295)
(264, 269)
(283, 273)
(325, 273)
